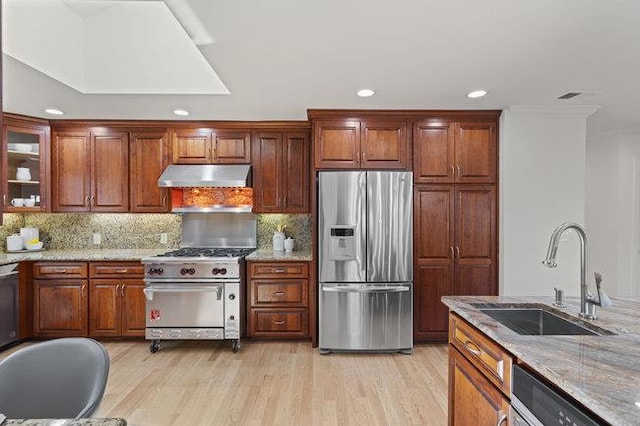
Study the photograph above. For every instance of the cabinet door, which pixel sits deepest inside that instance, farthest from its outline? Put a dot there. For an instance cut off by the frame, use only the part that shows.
(132, 307)
(268, 185)
(337, 144)
(18, 137)
(473, 400)
(70, 172)
(60, 308)
(295, 175)
(104, 308)
(476, 152)
(231, 147)
(192, 146)
(384, 145)
(149, 154)
(475, 241)
(110, 172)
(434, 260)
(433, 152)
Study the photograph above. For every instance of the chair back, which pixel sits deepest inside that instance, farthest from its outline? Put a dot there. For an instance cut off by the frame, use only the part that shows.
(57, 379)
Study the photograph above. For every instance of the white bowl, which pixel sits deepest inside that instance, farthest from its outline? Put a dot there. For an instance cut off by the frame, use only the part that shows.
(36, 246)
(22, 147)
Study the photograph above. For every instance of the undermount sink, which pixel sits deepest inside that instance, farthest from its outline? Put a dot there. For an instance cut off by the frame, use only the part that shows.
(541, 321)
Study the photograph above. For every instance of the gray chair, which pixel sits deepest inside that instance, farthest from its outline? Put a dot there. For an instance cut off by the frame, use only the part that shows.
(57, 379)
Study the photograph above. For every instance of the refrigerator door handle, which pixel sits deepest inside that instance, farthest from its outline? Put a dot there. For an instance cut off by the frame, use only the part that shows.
(366, 289)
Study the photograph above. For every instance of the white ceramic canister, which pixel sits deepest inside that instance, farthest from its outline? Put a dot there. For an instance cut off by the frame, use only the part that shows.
(29, 234)
(278, 241)
(289, 244)
(23, 173)
(14, 243)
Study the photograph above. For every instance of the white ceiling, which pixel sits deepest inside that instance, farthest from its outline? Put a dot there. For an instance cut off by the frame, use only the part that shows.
(280, 57)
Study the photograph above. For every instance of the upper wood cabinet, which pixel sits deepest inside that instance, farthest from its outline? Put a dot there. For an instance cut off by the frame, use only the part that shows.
(149, 155)
(281, 172)
(211, 146)
(90, 171)
(25, 146)
(454, 152)
(369, 144)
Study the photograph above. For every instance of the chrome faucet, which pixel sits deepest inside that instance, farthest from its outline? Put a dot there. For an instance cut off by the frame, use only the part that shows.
(587, 302)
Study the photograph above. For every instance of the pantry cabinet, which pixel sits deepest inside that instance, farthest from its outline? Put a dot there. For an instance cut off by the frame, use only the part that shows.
(366, 144)
(25, 164)
(455, 250)
(116, 299)
(281, 172)
(90, 171)
(278, 302)
(211, 146)
(60, 297)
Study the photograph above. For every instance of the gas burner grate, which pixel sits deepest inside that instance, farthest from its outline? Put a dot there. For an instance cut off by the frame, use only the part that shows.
(209, 252)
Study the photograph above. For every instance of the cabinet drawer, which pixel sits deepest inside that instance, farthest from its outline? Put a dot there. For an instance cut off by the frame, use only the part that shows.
(279, 270)
(279, 292)
(116, 270)
(490, 358)
(279, 322)
(59, 270)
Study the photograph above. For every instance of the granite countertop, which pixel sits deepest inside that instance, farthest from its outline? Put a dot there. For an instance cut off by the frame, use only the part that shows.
(65, 422)
(80, 255)
(267, 254)
(601, 372)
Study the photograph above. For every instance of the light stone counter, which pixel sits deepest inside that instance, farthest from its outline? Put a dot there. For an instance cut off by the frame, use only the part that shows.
(267, 254)
(80, 255)
(601, 372)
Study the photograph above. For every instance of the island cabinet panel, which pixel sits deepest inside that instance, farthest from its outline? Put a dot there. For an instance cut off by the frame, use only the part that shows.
(149, 156)
(446, 151)
(117, 303)
(281, 172)
(367, 144)
(454, 250)
(278, 302)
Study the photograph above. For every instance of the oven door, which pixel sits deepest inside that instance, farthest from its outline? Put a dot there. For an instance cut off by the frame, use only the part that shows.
(190, 305)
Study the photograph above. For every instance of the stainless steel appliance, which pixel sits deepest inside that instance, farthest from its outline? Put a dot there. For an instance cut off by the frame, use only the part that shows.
(365, 246)
(536, 403)
(9, 298)
(197, 292)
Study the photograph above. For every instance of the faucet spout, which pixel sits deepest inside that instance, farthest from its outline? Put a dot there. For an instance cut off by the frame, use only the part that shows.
(550, 260)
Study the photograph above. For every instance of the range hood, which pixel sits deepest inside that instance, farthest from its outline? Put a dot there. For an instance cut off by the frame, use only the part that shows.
(204, 175)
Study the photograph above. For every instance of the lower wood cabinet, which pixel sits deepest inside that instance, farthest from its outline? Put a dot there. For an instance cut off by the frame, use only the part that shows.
(98, 299)
(278, 301)
(479, 377)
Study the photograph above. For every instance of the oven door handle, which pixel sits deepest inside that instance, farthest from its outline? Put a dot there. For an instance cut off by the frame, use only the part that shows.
(148, 291)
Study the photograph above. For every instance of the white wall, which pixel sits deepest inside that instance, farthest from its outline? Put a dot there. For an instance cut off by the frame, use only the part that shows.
(542, 180)
(613, 168)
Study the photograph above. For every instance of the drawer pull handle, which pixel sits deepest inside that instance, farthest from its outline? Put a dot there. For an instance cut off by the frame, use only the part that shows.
(502, 418)
(278, 322)
(278, 293)
(472, 347)
(279, 270)
(121, 271)
(60, 271)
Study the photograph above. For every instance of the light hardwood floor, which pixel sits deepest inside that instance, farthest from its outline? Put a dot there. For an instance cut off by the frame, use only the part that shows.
(273, 383)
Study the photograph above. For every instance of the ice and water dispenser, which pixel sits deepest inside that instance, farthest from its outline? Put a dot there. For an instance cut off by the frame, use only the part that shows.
(342, 243)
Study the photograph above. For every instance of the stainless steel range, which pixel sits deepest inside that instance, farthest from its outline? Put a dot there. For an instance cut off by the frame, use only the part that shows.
(197, 292)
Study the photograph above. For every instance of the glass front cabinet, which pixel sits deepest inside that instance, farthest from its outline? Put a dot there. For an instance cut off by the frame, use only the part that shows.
(25, 162)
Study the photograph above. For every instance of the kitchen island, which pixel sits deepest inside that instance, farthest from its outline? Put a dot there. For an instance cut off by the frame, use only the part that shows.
(600, 372)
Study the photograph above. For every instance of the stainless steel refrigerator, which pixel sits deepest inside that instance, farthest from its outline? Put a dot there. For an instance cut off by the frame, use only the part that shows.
(365, 247)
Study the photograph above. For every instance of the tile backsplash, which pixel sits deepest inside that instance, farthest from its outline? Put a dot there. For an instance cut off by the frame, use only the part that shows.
(61, 231)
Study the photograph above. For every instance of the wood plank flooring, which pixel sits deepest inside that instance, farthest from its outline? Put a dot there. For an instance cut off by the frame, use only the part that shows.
(273, 383)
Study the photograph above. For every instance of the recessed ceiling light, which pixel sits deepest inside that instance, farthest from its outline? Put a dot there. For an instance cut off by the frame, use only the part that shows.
(476, 94)
(365, 93)
(53, 111)
(182, 112)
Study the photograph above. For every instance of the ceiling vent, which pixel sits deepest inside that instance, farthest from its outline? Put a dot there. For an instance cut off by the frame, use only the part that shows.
(570, 95)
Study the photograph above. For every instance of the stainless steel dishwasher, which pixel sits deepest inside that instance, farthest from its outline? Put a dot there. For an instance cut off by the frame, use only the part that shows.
(9, 298)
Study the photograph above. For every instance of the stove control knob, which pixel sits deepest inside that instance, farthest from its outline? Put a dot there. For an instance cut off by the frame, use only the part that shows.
(160, 271)
(232, 296)
(184, 271)
(192, 271)
(223, 271)
(231, 317)
(215, 271)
